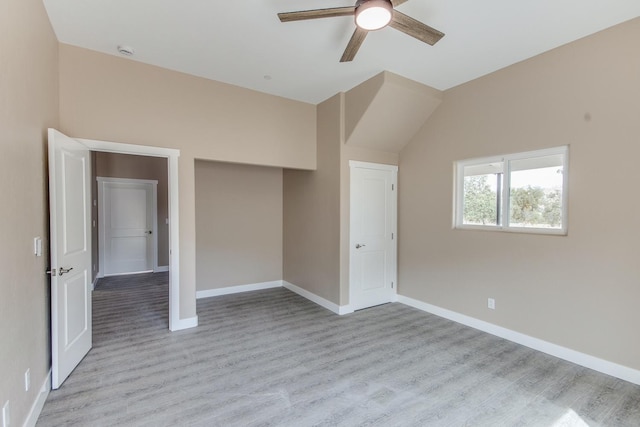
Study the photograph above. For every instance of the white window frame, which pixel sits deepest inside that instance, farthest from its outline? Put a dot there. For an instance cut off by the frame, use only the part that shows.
(458, 207)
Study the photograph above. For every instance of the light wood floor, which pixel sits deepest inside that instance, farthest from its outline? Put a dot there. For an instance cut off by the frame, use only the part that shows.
(273, 358)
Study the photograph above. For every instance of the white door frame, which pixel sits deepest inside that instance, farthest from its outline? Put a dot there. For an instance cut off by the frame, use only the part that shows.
(102, 181)
(172, 156)
(394, 222)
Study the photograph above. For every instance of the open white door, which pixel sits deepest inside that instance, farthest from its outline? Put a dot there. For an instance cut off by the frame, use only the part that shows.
(373, 234)
(70, 216)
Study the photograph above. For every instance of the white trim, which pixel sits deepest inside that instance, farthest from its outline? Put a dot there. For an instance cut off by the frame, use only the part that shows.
(150, 185)
(180, 324)
(172, 156)
(582, 359)
(128, 273)
(161, 268)
(338, 309)
(505, 160)
(36, 408)
(174, 245)
(369, 165)
(345, 309)
(394, 230)
(126, 180)
(122, 148)
(238, 289)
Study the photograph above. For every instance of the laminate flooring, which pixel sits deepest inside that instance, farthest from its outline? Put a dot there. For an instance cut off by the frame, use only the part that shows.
(273, 358)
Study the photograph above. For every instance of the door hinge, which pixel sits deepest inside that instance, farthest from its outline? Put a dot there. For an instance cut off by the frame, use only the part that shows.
(391, 285)
(393, 187)
(391, 236)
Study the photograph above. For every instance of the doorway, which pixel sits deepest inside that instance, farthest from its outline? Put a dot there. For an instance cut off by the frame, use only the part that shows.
(373, 234)
(70, 219)
(172, 155)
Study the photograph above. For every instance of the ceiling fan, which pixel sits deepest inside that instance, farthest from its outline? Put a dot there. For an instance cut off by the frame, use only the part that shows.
(370, 15)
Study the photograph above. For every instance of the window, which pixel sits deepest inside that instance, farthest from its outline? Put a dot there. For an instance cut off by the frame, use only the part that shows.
(525, 192)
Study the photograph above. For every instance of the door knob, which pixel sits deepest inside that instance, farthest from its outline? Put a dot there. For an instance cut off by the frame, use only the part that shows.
(64, 270)
(358, 246)
(150, 232)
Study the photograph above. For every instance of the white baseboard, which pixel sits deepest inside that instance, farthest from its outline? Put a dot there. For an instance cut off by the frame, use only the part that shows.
(37, 406)
(582, 359)
(345, 309)
(237, 289)
(180, 324)
(161, 268)
(338, 309)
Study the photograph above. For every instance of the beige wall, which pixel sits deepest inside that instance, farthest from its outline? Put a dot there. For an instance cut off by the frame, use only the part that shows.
(116, 99)
(113, 165)
(580, 291)
(386, 111)
(28, 105)
(311, 233)
(238, 224)
(316, 209)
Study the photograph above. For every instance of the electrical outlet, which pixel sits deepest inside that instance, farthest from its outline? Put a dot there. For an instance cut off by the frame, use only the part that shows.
(5, 414)
(27, 380)
(491, 303)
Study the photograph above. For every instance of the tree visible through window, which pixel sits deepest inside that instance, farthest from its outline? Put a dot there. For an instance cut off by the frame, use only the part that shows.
(529, 187)
(480, 200)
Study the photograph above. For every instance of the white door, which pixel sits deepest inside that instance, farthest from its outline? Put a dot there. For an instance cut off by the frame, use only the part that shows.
(373, 234)
(70, 216)
(127, 225)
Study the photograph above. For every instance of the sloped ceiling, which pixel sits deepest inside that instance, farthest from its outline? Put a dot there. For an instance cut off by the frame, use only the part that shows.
(386, 111)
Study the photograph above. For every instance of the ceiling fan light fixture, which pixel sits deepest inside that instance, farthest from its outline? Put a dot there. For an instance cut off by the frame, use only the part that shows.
(373, 14)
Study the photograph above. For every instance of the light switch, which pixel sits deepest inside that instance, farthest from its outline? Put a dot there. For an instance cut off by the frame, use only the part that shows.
(37, 246)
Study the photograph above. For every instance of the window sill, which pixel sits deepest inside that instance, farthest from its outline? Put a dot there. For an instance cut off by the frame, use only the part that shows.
(519, 230)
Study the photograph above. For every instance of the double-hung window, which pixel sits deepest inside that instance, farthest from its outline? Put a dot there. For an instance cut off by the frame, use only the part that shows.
(525, 192)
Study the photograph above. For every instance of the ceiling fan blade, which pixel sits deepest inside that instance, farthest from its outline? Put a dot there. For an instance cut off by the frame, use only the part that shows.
(317, 13)
(414, 28)
(397, 3)
(354, 44)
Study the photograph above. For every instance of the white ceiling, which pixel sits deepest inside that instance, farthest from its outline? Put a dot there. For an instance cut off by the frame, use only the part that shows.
(242, 42)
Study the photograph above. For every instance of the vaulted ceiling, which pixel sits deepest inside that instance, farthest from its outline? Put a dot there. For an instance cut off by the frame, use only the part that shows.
(244, 43)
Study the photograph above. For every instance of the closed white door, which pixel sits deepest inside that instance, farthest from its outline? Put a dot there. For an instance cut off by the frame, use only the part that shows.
(127, 229)
(373, 234)
(70, 217)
